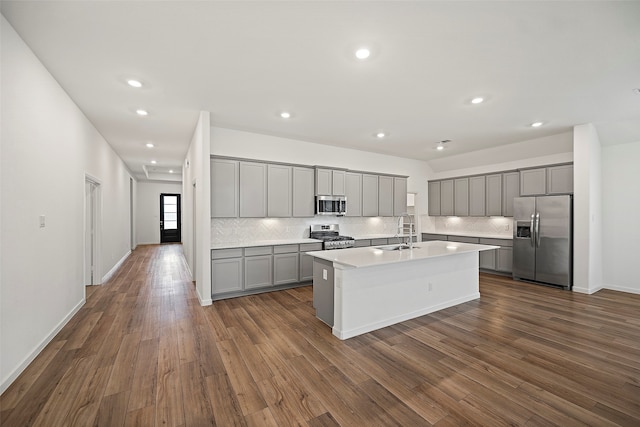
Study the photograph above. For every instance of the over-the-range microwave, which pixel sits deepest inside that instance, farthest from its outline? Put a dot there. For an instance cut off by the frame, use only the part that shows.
(331, 205)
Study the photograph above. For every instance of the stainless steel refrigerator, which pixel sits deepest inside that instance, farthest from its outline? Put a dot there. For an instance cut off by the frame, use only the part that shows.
(543, 239)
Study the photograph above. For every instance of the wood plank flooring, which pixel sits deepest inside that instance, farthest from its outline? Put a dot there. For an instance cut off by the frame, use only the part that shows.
(143, 352)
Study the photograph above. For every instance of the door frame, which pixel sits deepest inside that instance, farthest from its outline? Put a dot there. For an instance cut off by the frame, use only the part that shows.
(96, 217)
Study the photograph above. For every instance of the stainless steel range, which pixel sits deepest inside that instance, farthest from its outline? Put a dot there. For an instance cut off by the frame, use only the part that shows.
(330, 236)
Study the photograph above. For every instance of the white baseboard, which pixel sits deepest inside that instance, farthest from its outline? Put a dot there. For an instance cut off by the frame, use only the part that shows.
(6, 382)
(115, 268)
(203, 301)
(587, 291)
(622, 289)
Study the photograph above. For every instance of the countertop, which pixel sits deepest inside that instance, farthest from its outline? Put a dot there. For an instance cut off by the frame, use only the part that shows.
(250, 243)
(371, 256)
(472, 234)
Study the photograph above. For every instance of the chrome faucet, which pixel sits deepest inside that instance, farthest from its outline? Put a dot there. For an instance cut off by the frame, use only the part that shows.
(402, 215)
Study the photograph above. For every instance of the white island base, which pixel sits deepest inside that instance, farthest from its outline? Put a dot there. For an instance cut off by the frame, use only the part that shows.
(372, 295)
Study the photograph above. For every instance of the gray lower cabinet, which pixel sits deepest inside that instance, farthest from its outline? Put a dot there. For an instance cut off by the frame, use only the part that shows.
(285, 267)
(258, 267)
(446, 197)
(379, 242)
(463, 239)
(426, 237)
(303, 192)
(306, 261)
(385, 195)
(498, 259)
(226, 270)
(369, 195)
(504, 260)
(353, 192)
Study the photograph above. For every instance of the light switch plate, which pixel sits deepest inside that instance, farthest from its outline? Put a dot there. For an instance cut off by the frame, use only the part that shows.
(42, 221)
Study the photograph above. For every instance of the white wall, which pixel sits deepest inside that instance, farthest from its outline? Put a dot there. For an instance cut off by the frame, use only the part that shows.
(148, 209)
(587, 203)
(620, 207)
(534, 152)
(48, 146)
(196, 208)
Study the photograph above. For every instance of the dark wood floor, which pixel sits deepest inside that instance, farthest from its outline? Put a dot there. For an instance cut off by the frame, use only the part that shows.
(142, 351)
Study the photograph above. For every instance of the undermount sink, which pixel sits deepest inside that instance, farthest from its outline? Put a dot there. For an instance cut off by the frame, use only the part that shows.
(401, 247)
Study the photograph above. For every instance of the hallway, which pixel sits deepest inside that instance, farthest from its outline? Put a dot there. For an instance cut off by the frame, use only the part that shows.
(142, 351)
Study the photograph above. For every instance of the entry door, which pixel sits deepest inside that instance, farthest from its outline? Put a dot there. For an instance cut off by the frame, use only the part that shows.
(169, 218)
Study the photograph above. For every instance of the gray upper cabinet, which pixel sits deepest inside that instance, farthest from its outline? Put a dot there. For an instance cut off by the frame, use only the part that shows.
(461, 196)
(279, 191)
(369, 195)
(338, 184)
(324, 179)
(560, 179)
(434, 198)
(303, 192)
(224, 188)
(533, 182)
(446, 197)
(399, 196)
(494, 195)
(477, 196)
(510, 190)
(353, 191)
(385, 195)
(330, 182)
(253, 190)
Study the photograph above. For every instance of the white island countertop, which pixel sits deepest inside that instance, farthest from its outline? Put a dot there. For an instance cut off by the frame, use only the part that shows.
(372, 256)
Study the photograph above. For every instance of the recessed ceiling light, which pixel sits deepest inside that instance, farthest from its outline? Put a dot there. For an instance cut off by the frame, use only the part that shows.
(150, 145)
(441, 144)
(134, 83)
(536, 124)
(636, 91)
(142, 112)
(477, 100)
(380, 135)
(285, 115)
(363, 53)
(170, 170)
(153, 162)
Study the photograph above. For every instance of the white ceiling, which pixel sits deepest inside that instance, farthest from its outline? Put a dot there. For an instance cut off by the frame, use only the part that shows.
(564, 63)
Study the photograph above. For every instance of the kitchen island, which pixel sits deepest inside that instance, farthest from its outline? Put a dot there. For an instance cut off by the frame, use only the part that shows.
(359, 290)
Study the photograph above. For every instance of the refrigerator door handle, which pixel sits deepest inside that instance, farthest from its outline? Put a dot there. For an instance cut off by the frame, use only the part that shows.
(532, 231)
(537, 229)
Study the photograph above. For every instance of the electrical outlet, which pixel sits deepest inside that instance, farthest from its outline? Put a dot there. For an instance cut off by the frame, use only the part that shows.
(42, 221)
(324, 274)
(506, 227)
(430, 288)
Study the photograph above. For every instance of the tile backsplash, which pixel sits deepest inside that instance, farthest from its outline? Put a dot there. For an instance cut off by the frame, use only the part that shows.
(491, 226)
(226, 230)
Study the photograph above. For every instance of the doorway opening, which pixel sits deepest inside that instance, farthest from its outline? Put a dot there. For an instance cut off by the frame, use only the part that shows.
(170, 223)
(91, 231)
